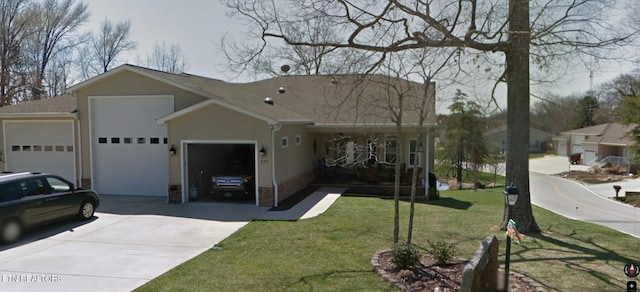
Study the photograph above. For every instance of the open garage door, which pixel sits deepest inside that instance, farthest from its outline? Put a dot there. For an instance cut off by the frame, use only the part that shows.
(221, 171)
(41, 146)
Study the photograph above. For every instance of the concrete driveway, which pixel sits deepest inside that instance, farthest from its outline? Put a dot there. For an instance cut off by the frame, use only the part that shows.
(130, 241)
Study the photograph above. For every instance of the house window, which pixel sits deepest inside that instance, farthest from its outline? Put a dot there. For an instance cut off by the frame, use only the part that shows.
(298, 139)
(413, 145)
(26, 147)
(154, 140)
(141, 140)
(390, 150)
(350, 152)
(285, 142)
(164, 141)
(37, 148)
(59, 148)
(102, 140)
(115, 140)
(127, 140)
(15, 148)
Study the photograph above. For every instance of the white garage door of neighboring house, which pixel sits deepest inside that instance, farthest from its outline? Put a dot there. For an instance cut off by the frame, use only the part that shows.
(562, 148)
(590, 154)
(40, 146)
(130, 155)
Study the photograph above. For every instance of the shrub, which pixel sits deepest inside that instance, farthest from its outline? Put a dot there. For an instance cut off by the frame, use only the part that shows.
(405, 256)
(442, 251)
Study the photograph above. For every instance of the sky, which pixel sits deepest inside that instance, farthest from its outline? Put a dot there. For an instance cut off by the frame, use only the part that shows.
(198, 25)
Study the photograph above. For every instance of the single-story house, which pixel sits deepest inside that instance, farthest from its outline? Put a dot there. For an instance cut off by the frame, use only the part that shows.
(600, 143)
(496, 139)
(138, 131)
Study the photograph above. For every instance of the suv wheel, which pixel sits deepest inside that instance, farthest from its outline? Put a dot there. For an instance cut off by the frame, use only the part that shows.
(11, 230)
(86, 210)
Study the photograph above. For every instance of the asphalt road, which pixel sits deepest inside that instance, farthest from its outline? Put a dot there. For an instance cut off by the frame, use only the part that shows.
(576, 201)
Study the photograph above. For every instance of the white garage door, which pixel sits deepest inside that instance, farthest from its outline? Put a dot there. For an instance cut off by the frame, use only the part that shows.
(562, 148)
(130, 152)
(40, 146)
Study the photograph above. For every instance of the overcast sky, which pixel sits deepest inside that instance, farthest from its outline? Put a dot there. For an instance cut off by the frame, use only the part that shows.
(198, 25)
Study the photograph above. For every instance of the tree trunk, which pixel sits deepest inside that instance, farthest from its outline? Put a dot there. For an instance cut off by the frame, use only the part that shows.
(517, 60)
(414, 180)
(396, 187)
(460, 161)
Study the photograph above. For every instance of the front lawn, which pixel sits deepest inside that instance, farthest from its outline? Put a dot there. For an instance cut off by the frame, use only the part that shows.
(333, 251)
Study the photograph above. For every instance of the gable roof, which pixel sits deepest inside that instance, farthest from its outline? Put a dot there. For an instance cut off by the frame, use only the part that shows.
(612, 134)
(317, 99)
(54, 106)
(588, 131)
(217, 91)
(347, 100)
(503, 128)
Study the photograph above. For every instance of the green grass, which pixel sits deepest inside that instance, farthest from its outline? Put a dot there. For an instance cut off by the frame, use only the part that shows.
(536, 155)
(333, 252)
(489, 177)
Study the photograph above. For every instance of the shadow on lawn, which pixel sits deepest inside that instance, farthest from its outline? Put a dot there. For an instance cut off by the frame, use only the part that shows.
(442, 201)
(309, 280)
(576, 255)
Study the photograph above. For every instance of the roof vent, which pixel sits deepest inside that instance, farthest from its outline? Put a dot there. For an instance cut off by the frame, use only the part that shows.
(268, 100)
(281, 90)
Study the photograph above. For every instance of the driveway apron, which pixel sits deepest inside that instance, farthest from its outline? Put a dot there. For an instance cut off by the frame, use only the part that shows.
(130, 241)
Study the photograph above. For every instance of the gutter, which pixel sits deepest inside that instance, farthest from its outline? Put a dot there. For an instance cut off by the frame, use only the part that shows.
(274, 129)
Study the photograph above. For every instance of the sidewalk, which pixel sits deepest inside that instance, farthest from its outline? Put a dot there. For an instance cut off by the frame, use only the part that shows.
(315, 204)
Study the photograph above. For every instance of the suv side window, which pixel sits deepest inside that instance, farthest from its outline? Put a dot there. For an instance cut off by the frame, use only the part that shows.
(10, 191)
(57, 185)
(33, 187)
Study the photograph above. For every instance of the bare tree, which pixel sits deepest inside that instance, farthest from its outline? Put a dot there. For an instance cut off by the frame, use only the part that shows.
(611, 94)
(242, 58)
(167, 58)
(13, 30)
(108, 43)
(555, 29)
(55, 23)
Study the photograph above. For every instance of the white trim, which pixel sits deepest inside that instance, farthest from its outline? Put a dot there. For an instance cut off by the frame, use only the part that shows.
(211, 101)
(184, 163)
(90, 100)
(73, 137)
(38, 115)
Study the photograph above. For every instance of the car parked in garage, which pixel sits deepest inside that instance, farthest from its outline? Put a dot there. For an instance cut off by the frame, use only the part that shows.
(236, 181)
(31, 199)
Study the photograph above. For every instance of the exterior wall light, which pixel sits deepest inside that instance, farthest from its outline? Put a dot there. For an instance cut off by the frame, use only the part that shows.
(173, 150)
(263, 152)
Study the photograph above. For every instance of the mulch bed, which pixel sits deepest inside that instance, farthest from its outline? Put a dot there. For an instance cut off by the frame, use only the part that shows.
(429, 276)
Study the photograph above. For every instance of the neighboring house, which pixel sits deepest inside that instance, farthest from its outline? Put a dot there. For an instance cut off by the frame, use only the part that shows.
(138, 131)
(496, 139)
(600, 143)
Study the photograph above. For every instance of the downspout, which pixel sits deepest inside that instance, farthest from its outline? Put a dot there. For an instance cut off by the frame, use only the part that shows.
(274, 129)
(79, 148)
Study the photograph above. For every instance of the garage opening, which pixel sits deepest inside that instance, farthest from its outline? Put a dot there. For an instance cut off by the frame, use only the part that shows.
(221, 172)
